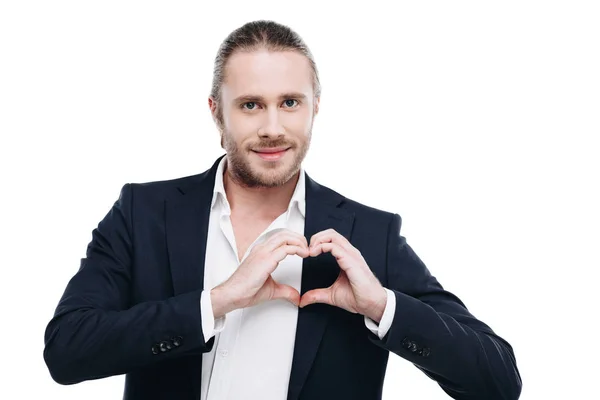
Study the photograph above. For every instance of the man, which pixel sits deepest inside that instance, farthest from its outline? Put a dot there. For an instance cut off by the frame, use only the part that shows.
(251, 280)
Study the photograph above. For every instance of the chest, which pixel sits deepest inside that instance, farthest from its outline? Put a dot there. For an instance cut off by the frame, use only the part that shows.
(246, 231)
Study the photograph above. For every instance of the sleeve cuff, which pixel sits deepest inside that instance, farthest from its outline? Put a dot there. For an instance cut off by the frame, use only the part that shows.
(386, 320)
(210, 325)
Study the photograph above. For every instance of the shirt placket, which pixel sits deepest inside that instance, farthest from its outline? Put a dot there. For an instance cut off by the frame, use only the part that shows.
(226, 340)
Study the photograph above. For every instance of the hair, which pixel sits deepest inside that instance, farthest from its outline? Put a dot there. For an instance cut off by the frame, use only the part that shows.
(252, 36)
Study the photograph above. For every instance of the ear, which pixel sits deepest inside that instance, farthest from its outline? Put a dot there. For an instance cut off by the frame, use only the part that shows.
(212, 105)
(317, 101)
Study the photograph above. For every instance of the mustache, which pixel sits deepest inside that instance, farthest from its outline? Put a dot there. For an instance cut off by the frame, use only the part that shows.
(276, 143)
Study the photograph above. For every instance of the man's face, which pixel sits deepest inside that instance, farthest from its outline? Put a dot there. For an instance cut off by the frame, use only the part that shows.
(267, 102)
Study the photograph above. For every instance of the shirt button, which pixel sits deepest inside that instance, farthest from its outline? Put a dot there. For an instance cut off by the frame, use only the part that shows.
(224, 353)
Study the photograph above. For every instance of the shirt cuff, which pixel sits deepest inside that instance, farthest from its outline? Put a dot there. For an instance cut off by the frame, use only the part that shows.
(210, 325)
(386, 320)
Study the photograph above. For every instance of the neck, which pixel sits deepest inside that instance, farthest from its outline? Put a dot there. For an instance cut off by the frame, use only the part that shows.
(264, 202)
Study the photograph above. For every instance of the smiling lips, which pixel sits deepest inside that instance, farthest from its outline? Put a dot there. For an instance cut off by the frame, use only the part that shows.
(271, 154)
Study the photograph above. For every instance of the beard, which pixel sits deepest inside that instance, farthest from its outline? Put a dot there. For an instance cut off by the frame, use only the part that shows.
(247, 169)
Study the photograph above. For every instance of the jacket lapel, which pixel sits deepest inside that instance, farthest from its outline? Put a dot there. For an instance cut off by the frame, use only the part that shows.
(322, 213)
(187, 216)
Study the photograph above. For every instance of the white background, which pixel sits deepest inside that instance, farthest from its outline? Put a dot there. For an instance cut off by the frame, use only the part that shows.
(476, 121)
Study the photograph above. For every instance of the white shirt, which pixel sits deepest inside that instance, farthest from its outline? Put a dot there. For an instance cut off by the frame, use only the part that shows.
(253, 350)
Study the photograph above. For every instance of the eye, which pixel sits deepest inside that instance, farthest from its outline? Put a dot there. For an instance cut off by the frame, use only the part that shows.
(252, 103)
(288, 101)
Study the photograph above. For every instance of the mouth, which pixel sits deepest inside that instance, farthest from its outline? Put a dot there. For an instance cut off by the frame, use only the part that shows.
(271, 154)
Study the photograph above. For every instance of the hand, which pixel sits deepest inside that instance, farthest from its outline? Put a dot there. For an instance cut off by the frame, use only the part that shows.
(252, 283)
(356, 289)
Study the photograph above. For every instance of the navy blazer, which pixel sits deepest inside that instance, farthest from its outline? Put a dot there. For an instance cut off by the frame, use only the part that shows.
(134, 306)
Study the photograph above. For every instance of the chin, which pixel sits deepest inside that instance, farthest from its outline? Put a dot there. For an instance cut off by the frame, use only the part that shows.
(275, 176)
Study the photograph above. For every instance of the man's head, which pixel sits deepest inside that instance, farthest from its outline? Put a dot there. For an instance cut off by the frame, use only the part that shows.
(265, 95)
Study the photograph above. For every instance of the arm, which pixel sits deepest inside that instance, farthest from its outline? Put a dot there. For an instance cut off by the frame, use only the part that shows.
(433, 329)
(95, 333)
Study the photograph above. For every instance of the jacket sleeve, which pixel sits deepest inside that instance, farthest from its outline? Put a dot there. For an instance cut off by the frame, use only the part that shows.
(433, 329)
(96, 333)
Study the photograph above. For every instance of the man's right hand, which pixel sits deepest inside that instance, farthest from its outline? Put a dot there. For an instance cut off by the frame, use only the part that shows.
(252, 283)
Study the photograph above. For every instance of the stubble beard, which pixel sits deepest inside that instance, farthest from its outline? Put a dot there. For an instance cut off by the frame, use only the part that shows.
(244, 169)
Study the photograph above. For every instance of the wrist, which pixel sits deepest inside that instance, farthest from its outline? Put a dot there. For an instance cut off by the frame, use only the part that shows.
(375, 312)
(222, 302)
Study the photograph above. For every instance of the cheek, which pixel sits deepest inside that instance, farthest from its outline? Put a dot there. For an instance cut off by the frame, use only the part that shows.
(239, 124)
(299, 122)
(229, 117)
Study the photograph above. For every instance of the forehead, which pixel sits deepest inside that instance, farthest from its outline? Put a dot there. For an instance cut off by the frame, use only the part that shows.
(267, 73)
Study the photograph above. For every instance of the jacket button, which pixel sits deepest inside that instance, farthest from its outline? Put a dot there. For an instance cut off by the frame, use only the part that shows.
(426, 351)
(413, 347)
(406, 343)
(163, 346)
(155, 349)
(177, 341)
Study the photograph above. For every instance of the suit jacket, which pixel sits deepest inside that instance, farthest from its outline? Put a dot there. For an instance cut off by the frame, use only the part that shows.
(133, 307)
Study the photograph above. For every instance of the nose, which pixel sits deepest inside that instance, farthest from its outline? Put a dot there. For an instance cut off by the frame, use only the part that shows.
(271, 126)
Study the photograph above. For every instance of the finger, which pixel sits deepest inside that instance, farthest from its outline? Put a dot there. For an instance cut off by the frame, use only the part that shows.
(286, 292)
(317, 296)
(283, 232)
(282, 252)
(269, 261)
(314, 238)
(284, 237)
(330, 235)
(336, 250)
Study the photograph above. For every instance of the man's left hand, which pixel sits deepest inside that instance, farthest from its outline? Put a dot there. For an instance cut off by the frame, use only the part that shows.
(356, 289)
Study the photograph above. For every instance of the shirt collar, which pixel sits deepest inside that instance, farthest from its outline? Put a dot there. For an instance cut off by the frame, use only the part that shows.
(298, 197)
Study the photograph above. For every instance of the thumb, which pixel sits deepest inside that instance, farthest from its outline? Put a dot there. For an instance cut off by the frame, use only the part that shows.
(286, 292)
(316, 296)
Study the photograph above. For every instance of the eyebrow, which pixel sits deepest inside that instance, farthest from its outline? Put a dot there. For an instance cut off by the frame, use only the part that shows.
(253, 98)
